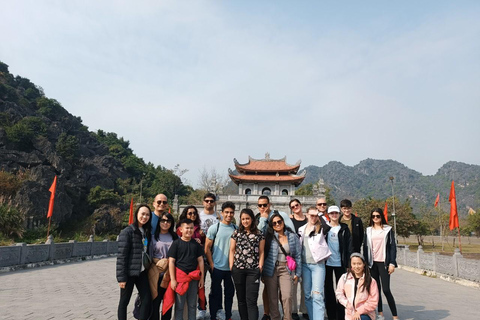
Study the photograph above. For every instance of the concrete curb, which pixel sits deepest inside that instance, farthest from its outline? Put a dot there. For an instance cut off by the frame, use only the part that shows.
(432, 274)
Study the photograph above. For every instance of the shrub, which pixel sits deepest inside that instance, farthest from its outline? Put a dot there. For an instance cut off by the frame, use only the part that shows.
(9, 183)
(67, 146)
(98, 196)
(11, 221)
(24, 131)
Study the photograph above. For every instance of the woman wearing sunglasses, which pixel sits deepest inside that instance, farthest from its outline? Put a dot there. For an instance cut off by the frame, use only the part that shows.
(380, 251)
(191, 213)
(315, 252)
(282, 244)
(158, 274)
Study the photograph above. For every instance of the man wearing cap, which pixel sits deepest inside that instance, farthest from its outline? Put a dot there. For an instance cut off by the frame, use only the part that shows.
(354, 224)
(340, 245)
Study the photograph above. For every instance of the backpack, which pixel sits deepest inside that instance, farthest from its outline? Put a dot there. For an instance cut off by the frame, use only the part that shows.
(216, 231)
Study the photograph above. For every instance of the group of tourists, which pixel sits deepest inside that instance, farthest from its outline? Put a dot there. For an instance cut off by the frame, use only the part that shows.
(323, 251)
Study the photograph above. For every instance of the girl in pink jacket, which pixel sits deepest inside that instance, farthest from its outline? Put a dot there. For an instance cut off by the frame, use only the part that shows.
(357, 290)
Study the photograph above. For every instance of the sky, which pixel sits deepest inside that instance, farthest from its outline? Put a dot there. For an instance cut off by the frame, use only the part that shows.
(199, 83)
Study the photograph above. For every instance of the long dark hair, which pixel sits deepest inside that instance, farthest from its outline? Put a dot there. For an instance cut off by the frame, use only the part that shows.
(382, 216)
(147, 226)
(366, 272)
(171, 230)
(183, 216)
(253, 225)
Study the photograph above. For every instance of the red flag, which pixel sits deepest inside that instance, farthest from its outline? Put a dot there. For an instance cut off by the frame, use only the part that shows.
(130, 218)
(52, 197)
(437, 200)
(453, 208)
(385, 212)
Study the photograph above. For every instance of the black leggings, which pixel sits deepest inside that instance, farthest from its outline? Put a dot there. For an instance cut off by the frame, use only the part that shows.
(334, 309)
(379, 272)
(141, 282)
(156, 305)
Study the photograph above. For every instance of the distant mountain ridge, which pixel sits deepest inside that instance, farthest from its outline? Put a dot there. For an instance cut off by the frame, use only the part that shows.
(370, 178)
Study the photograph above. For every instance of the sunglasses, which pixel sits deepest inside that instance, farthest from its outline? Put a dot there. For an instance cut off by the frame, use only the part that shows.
(321, 204)
(277, 223)
(263, 205)
(191, 213)
(376, 216)
(209, 201)
(162, 202)
(294, 206)
(165, 221)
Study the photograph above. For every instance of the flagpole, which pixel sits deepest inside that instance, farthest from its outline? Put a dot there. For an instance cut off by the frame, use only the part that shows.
(48, 230)
(459, 240)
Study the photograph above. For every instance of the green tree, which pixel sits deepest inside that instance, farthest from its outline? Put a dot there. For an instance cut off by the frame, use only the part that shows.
(473, 222)
(305, 190)
(24, 131)
(98, 196)
(67, 146)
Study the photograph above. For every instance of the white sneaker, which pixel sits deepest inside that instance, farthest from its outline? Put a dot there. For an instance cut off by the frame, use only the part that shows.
(220, 315)
(380, 317)
(201, 314)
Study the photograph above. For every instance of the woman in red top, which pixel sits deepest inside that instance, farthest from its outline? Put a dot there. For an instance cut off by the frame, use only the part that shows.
(191, 213)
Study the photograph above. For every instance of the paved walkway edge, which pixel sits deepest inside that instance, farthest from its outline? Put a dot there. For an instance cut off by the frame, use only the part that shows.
(52, 263)
(445, 277)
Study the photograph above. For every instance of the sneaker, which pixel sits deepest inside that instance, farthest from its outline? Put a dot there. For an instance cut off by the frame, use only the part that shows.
(295, 316)
(220, 315)
(201, 314)
(380, 317)
(266, 317)
(305, 316)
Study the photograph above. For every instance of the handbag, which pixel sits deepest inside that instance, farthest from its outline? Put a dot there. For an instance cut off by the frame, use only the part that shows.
(146, 259)
(291, 263)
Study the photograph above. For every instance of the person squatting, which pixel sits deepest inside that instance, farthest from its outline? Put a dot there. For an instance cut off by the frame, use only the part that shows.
(323, 251)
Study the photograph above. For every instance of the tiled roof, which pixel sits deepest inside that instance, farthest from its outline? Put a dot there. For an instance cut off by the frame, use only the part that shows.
(264, 178)
(266, 165)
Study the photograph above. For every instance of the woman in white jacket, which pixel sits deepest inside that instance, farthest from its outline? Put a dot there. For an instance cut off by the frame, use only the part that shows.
(357, 291)
(314, 254)
(380, 253)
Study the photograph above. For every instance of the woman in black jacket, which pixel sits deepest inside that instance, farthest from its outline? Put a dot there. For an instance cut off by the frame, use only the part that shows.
(380, 251)
(133, 243)
(340, 245)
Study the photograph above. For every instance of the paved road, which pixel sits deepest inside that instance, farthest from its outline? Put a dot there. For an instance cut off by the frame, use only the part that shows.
(88, 290)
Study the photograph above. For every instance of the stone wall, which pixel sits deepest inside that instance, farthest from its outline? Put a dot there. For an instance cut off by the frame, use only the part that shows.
(454, 266)
(24, 254)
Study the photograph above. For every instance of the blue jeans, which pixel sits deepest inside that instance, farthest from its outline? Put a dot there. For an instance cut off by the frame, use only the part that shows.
(313, 283)
(215, 296)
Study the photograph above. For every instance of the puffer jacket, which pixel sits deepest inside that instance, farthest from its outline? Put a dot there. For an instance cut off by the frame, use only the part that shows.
(130, 249)
(295, 252)
(365, 303)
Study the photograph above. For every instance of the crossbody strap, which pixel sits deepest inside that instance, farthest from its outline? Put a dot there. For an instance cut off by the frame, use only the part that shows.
(281, 246)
